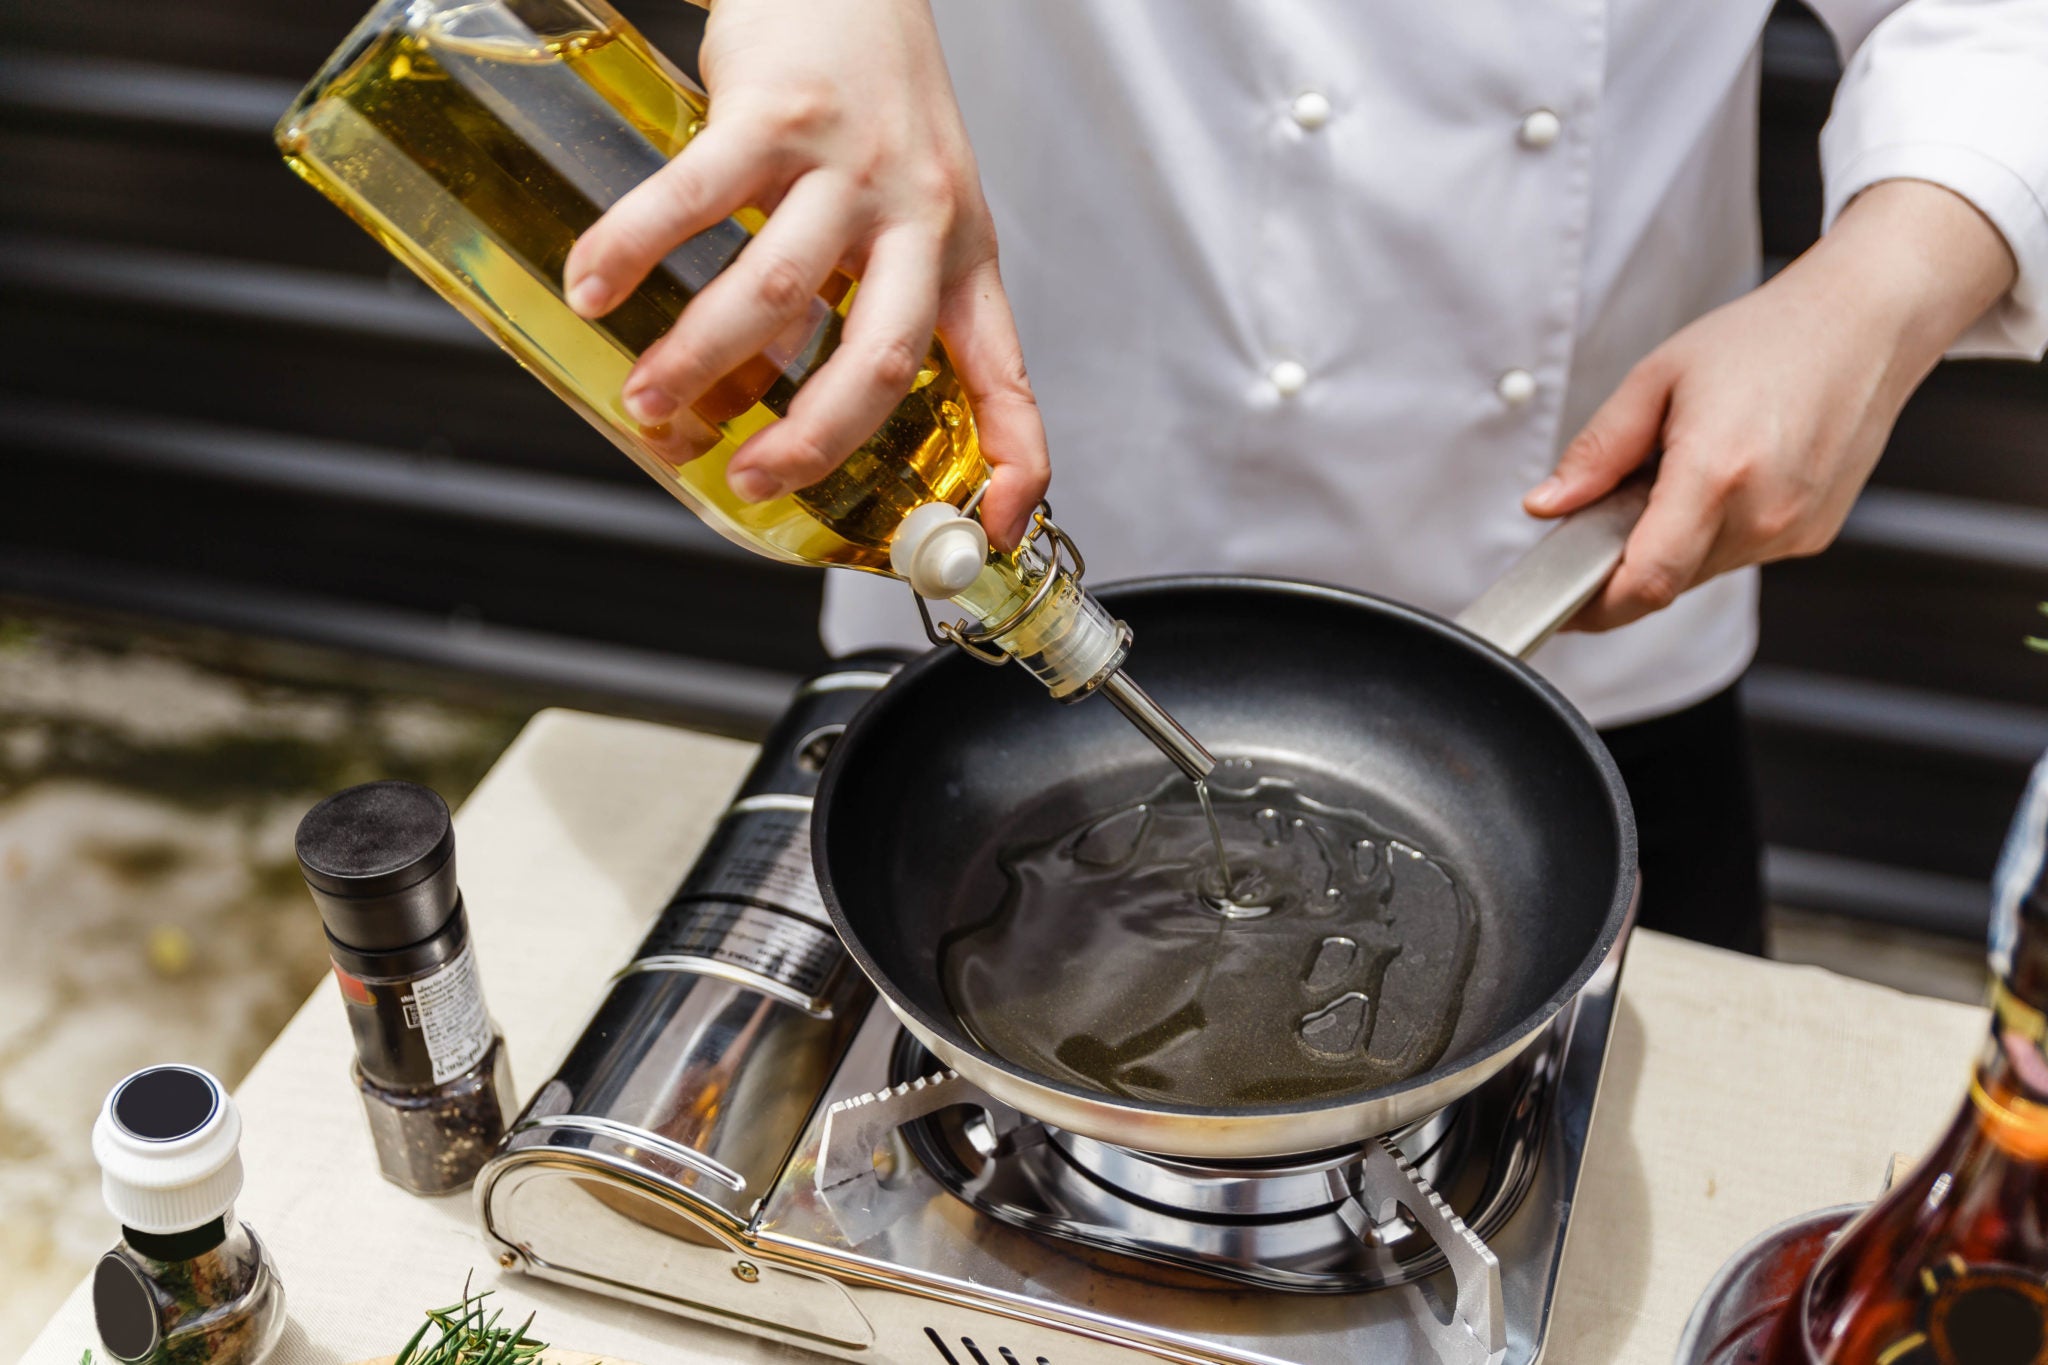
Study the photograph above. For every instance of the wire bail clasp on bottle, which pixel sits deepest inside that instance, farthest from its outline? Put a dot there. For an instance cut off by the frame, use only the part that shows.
(1053, 544)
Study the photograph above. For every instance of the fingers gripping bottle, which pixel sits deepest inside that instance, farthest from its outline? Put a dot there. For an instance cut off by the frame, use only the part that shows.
(477, 139)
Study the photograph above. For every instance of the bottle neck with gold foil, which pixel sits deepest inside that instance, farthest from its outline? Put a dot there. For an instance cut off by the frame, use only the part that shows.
(2020, 938)
(2019, 897)
(2011, 1085)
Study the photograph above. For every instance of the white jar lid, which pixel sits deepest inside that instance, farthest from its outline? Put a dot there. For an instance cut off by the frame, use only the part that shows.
(167, 1142)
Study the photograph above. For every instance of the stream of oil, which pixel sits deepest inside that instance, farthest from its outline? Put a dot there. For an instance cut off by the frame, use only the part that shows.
(1246, 944)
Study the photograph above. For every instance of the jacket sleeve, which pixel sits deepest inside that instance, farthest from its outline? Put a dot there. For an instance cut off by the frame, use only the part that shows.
(1954, 92)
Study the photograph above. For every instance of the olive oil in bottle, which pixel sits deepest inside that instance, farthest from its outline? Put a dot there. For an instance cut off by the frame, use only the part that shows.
(478, 139)
(478, 148)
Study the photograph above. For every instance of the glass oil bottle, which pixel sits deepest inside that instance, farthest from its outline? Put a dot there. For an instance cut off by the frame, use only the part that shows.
(477, 139)
(1950, 1267)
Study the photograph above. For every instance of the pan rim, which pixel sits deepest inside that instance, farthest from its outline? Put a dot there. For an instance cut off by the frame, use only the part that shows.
(1507, 1038)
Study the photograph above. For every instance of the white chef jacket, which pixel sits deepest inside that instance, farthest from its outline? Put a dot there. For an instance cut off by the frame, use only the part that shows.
(1318, 288)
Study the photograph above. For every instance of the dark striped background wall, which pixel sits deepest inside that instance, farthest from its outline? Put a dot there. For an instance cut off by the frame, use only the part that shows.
(1895, 708)
(222, 404)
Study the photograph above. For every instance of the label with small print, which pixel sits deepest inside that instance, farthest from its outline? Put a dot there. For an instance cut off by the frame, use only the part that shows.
(762, 856)
(777, 947)
(447, 1007)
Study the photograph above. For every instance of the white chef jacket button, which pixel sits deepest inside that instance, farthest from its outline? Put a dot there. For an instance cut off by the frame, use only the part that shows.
(1288, 377)
(1311, 109)
(1516, 387)
(1540, 128)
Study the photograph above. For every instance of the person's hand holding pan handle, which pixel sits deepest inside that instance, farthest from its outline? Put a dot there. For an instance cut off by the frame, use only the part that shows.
(1771, 411)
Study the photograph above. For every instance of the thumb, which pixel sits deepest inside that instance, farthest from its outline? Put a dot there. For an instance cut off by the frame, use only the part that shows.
(981, 337)
(1612, 445)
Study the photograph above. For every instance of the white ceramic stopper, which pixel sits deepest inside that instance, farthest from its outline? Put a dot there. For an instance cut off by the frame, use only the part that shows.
(939, 551)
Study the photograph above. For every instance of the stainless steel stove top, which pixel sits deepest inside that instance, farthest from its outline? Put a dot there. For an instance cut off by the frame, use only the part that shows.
(745, 1138)
(1294, 1224)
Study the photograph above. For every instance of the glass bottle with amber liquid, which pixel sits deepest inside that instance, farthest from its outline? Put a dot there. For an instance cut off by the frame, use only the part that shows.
(477, 139)
(1950, 1267)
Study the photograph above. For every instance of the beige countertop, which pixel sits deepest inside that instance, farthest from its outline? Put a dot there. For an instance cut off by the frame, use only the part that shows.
(1738, 1092)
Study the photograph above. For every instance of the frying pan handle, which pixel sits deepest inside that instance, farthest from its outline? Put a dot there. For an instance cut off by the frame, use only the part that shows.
(1526, 605)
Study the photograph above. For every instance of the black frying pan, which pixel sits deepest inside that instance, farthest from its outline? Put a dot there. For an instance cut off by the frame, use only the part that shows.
(1430, 728)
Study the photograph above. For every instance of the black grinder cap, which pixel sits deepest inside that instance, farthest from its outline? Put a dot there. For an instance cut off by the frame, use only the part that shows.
(380, 862)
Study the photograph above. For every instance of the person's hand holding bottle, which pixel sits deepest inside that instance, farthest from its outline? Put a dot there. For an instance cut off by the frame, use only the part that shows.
(839, 122)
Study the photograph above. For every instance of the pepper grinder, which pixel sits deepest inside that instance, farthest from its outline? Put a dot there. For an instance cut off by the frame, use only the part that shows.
(380, 861)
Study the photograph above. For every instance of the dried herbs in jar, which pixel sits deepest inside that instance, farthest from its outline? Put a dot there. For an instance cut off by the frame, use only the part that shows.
(189, 1284)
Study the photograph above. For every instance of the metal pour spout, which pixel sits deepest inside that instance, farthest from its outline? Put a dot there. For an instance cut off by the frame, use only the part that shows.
(1156, 725)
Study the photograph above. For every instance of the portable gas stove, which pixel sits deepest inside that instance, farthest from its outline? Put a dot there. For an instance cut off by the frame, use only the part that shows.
(743, 1137)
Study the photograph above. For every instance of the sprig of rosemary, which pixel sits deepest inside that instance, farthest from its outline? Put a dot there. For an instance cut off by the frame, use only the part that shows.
(468, 1337)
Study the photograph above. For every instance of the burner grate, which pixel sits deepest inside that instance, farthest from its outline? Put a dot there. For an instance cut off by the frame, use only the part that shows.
(1299, 1226)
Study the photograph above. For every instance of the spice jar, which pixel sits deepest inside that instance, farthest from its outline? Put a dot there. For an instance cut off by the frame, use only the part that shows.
(380, 861)
(189, 1284)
